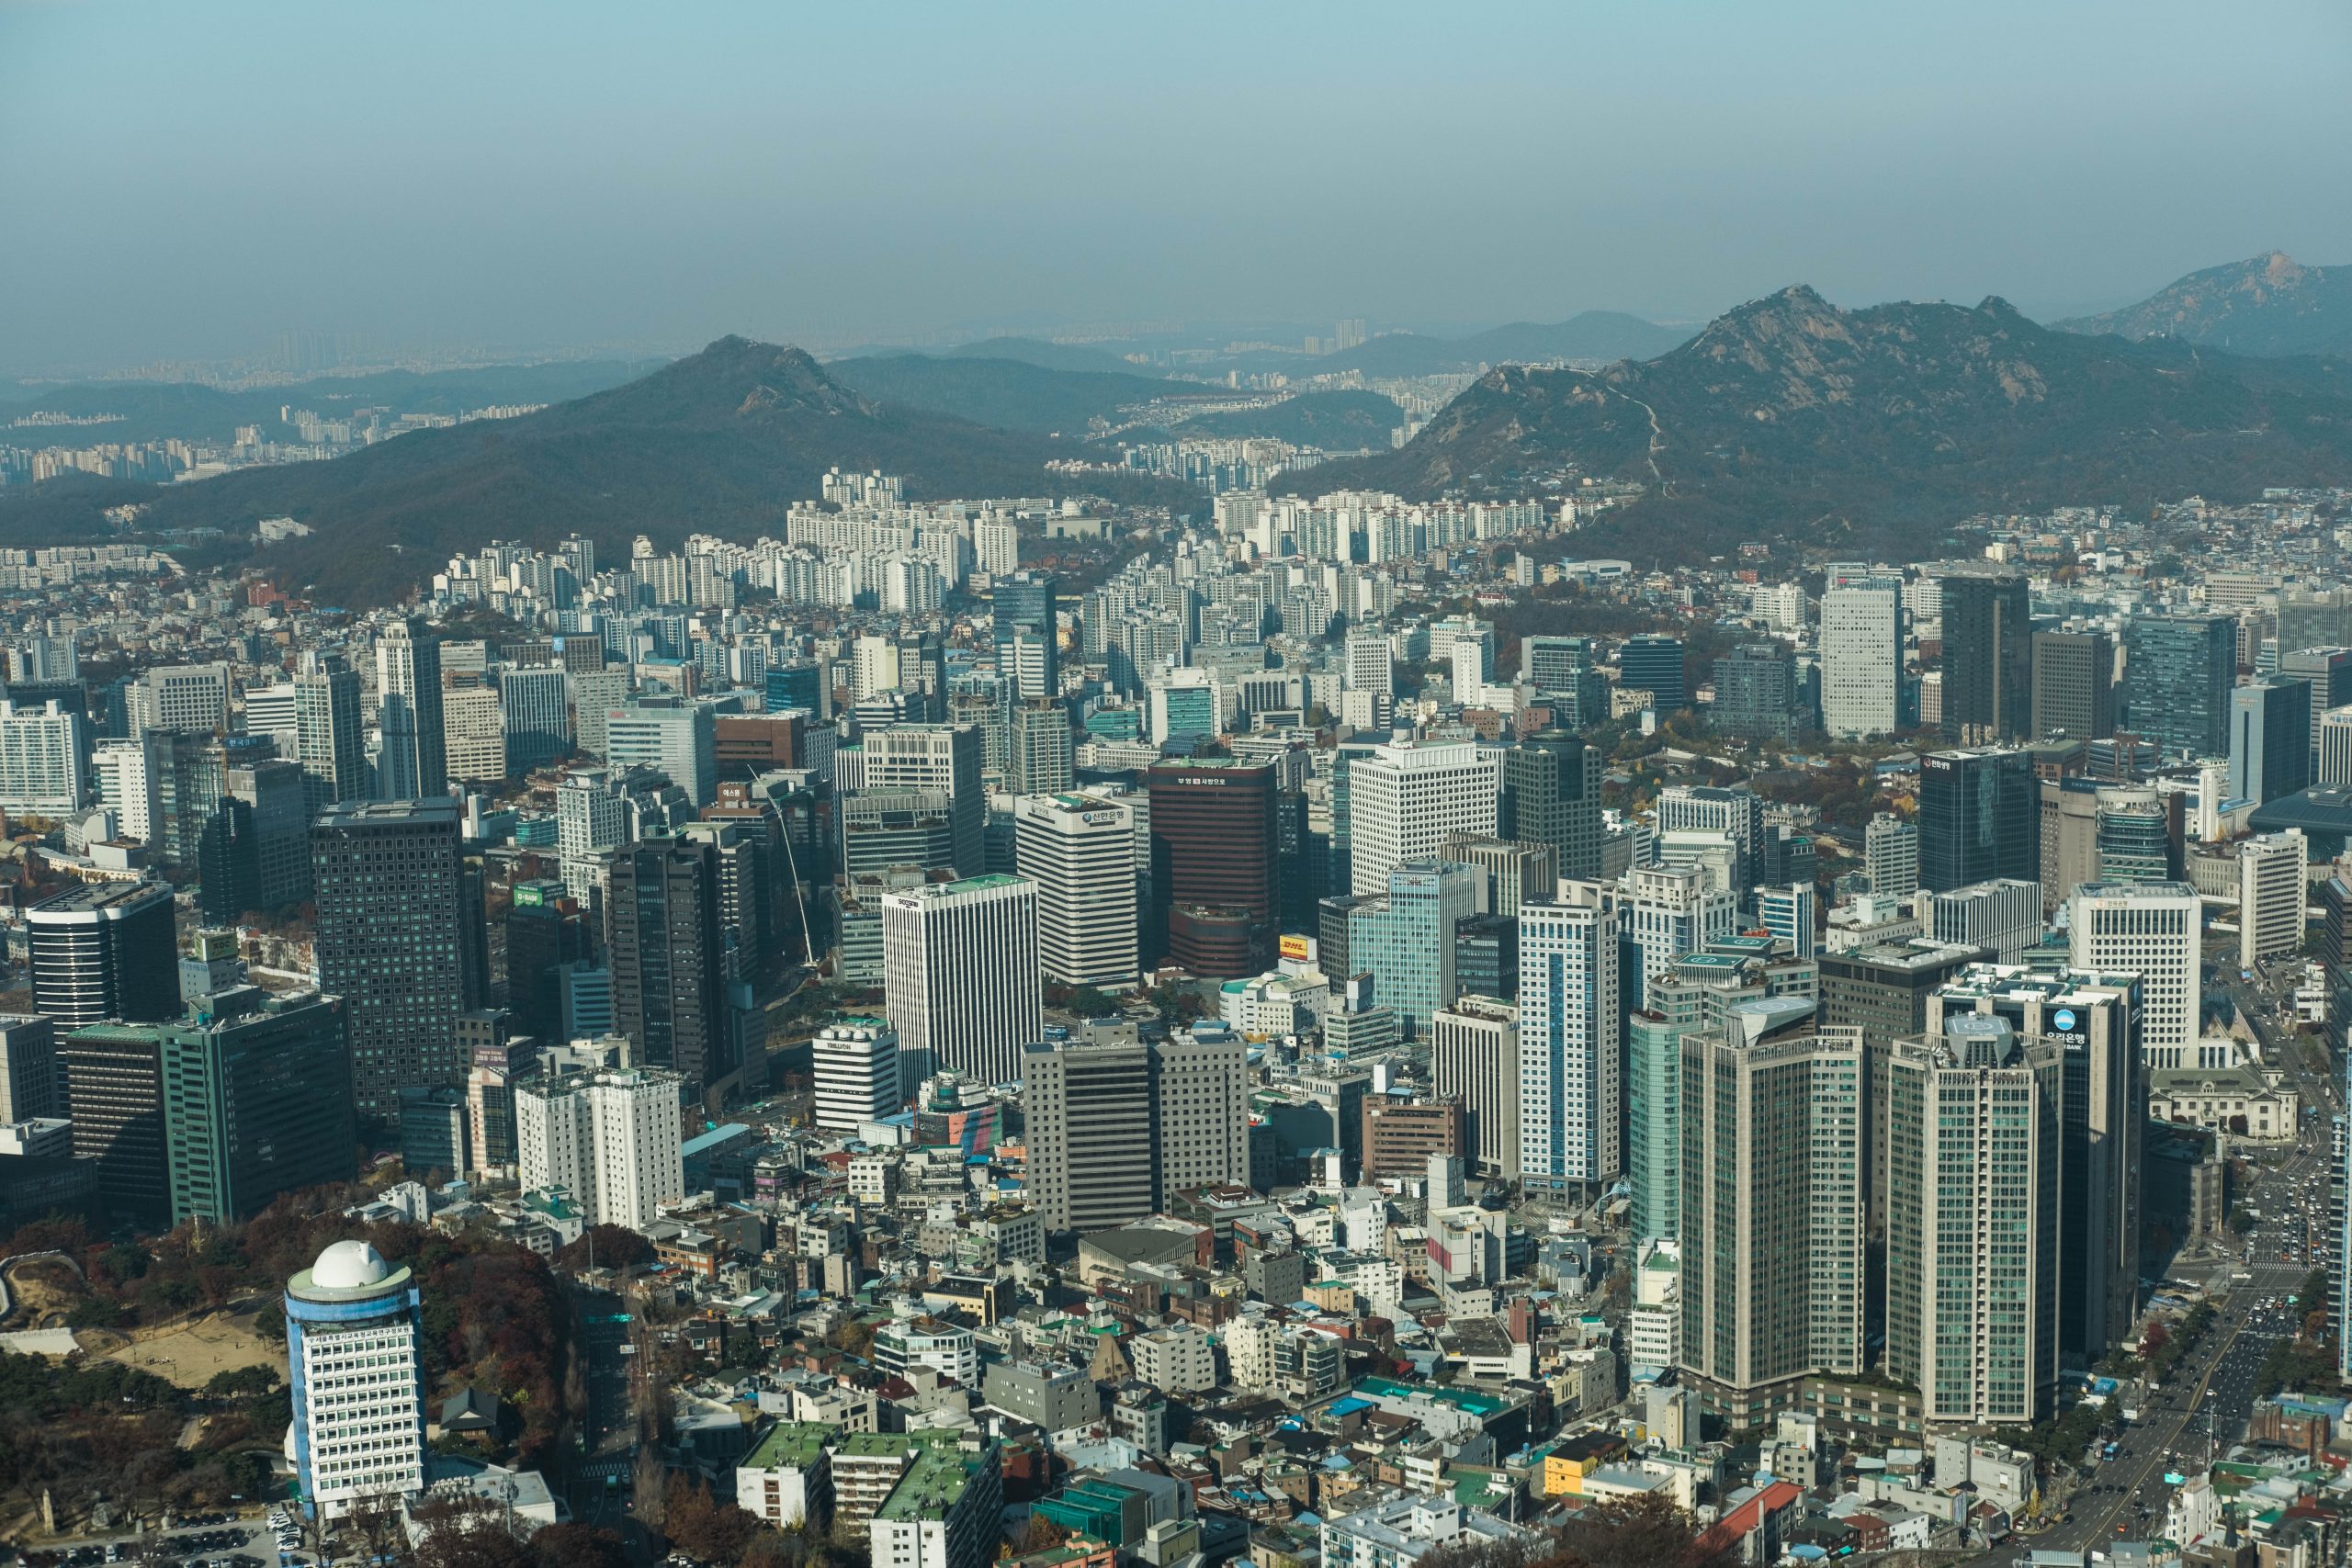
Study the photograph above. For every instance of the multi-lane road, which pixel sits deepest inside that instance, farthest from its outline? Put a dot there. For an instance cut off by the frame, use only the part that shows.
(2206, 1405)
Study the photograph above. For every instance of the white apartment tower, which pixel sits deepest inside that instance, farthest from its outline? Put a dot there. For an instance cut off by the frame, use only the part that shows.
(609, 1136)
(1407, 798)
(959, 976)
(1571, 1034)
(1081, 852)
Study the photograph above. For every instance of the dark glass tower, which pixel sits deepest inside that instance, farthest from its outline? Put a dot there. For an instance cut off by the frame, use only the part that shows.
(1979, 818)
(1988, 658)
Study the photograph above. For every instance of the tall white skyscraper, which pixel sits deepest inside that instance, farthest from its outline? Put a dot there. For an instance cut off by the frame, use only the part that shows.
(189, 699)
(2271, 876)
(1081, 852)
(128, 777)
(1571, 1029)
(610, 1136)
(1862, 656)
(331, 735)
(1407, 798)
(2149, 929)
(959, 975)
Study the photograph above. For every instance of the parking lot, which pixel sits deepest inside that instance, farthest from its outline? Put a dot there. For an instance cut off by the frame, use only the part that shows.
(209, 1540)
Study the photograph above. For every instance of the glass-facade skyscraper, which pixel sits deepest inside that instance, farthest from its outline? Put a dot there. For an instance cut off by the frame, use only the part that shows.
(1980, 814)
(2178, 674)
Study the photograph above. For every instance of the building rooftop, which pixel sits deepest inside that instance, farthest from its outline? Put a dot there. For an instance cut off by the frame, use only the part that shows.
(932, 1484)
(791, 1445)
(102, 899)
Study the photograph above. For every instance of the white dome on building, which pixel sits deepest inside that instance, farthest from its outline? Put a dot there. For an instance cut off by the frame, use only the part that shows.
(349, 1266)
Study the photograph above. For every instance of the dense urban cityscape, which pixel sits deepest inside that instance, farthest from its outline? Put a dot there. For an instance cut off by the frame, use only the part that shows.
(1330, 936)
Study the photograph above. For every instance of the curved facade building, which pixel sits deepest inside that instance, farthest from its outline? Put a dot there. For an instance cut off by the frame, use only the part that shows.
(355, 1366)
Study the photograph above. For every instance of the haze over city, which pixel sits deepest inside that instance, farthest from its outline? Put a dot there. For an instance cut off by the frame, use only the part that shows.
(193, 180)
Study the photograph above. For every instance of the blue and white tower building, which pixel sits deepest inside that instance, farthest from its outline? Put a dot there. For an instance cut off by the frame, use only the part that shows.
(355, 1363)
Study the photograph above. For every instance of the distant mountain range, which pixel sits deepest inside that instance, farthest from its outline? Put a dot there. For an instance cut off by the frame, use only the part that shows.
(1866, 429)
(2271, 305)
(1014, 394)
(160, 410)
(723, 441)
(1596, 335)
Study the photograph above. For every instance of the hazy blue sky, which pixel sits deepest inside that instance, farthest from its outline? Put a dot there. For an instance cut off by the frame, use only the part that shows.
(188, 179)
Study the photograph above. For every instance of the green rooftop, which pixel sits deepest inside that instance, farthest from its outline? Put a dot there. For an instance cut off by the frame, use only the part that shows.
(932, 1484)
(791, 1445)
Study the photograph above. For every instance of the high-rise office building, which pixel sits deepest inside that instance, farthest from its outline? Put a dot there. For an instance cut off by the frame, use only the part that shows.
(354, 1359)
(1512, 870)
(546, 929)
(609, 1136)
(1474, 1061)
(1862, 656)
(2003, 917)
(1756, 693)
(2153, 930)
(2132, 836)
(330, 737)
(2335, 746)
(2271, 885)
(1980, 815)
(41, 752)
(668, 944)
(940, 756)
(1571, 1038)
(277, 795)
(256, 1101)
(473, 731)
(1405, 937)
(113, 1078)
(1118, 1126)
(398, 939)
(1891, 854)
(2270, 730)
(1736, 813)
(2178, 671)
(1974, 1220)
(2091, 1018)
(1792, 914)
(960, 980)
(105, 950)
(1215, 856)
(184, 699)
(1028, 601)
(676, 736)
(1563, 676)
(1654, 664)
(1988, 657)
(2074, 686)
(1666, 911)
(854, 1065)
(1654, 1123)
(1772, 1210)
(1081, 852)
(535, 705)
(2329, 671)
(1882, 990)
(410, 763)
(1551, 794)
(30, 1088)
(1043, 752)
(1405, 799)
